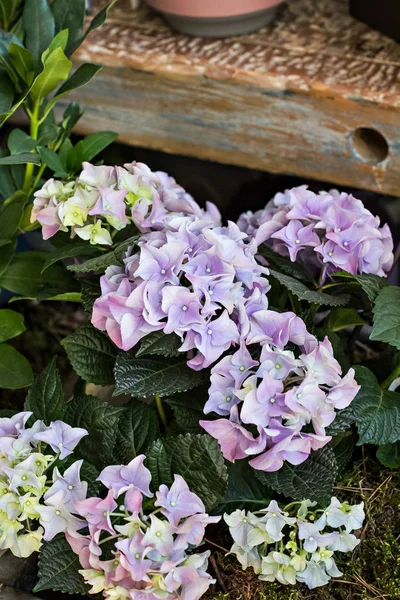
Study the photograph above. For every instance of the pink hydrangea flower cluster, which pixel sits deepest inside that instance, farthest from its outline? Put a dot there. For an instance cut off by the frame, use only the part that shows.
(196, 280)
(149, 555)
(31, 509)
(104, 200)
(295, 383)
(327, 232)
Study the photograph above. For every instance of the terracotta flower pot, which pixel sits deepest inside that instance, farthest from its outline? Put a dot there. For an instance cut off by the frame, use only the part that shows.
(216, 18)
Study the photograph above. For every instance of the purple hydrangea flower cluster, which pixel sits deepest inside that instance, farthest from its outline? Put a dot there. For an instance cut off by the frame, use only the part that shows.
(104, 200)
(150, 556)
(301, 547)
(294, 383)
(327, 232)
(30, 509)
(199, 281)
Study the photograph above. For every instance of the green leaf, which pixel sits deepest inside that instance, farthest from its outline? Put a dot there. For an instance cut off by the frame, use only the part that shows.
(340, 318)
(65, 297)
(197, 458)
(79, 78)
(21, 159)
(71, 250)
(10, 215)
(188, 408)
(59, 568)
(370, 284)
(19, 142)
(143, 377)
(52, 160)
(24, 275)
(56, 69)
(11, 324)
(387, 317)
(136, 431)
(7, 91)
(23, 62)
(69, 14)
(94, 143)
(46, 397)
(100, 419)
(284, 264)
(6, 255)
(59, 41)
(244, 489)
(313, 479)
(344, 419)
(389, 455)
(343, 447)
(90, 291)
(15, 370)
(38, 23)
(91, 354)
(376, 411)
(303, 293)
(160, 344)
(100, 263)
(89, 473)
(96, 22)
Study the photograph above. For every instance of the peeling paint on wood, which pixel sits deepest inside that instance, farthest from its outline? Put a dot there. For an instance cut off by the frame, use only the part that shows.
(286, 99)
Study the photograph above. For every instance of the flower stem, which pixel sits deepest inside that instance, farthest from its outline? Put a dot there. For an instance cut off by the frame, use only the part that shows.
(34, 130)
(161, 411)
(394, 375)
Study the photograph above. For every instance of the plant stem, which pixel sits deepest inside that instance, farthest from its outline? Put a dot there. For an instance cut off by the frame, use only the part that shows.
(34, 130)
(394, 375)
(161, 411)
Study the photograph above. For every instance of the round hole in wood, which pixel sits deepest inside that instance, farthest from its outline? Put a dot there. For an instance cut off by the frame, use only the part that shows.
(369, 145)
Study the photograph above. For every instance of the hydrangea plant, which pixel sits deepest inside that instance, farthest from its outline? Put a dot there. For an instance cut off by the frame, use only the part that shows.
(236, 342)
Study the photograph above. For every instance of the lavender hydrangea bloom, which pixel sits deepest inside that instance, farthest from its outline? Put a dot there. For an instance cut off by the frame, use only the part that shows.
(61, 437)
(279, 394)
(327, 232)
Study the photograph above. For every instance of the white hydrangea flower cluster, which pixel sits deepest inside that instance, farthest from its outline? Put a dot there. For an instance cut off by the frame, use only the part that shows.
(295, 544)
(33, 501)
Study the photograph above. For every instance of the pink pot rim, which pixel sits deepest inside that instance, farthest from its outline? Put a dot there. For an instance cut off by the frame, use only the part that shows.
(211, 8)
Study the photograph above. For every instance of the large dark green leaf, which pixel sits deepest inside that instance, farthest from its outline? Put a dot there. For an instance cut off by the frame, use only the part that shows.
(303, 293)
(389, 455)
(38, 23)
(197, 458)
(387, 317)
(376, 411)
(160, 344)
(188, 408)
(21, 159)
(285, 265)
(23, 62)
(53, 161)
(7, 92)
(79, 78)
(46, 398)
(100, 263)
(15, 370)
(244, 489)
(100, 419)
(136, 430)
(313, 479)
(96, 22)
(370, 284)
(19, 141)
(91, 354)
(341, 318)
(58, 568)
(71, 250)
(55, 70)
(143, 377)
(93, 144)
(10, 216)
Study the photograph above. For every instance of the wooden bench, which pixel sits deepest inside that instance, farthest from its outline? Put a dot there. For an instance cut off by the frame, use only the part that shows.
(315, 94)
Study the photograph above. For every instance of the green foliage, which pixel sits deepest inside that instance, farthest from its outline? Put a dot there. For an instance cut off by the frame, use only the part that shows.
(39, 26)
(101, 421)
(197, 458)
(340, 318)
(387, 317)
(244, 489)
(160, 344)
(100, 263)
(15, 370)
(376, 411)
(370, 284)
(302, 292)
(46, 398)
(313, 479)
(11, 324)
(188, 408)
(137, 429)
(92, 355)
(58, 568)
(143, 377)
(389, 455)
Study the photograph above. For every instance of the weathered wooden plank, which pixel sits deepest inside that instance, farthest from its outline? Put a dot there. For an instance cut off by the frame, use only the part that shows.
(287, 99)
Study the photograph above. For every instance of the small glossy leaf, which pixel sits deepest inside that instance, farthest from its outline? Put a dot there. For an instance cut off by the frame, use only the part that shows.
(52, 160)
(21, 159)
(71, 250)
(160, 344)
(94, 143)
(15, 370)
(56, 69)
(59, 41)
(46, 398)
(19, 142)
(96, 22)
(340, 318)
(79, 78)
(38, 23)
(22, 61)
(11, 324)
(100, 263)
(303, 293)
